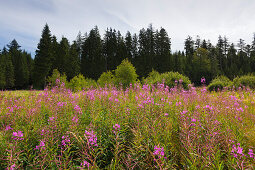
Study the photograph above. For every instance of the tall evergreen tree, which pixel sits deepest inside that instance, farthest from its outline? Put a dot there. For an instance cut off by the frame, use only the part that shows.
(92, 59)
(2, 72)
(73, 61)
(121, 52)
(129, 48)
(19, 60)
(63, 54)
(9, 69)
(43, 59)
(54, 53)
(252, 58)
(201, 64)
(110, 46)
(162, 51)
(189, 51)
(232, 62)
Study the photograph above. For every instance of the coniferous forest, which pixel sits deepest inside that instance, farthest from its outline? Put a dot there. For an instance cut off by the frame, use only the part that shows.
(150, 49)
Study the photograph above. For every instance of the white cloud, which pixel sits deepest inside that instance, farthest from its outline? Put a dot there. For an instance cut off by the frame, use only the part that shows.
(209, 19)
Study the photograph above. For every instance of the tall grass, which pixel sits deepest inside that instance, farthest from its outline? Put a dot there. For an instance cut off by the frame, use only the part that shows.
(141, 127)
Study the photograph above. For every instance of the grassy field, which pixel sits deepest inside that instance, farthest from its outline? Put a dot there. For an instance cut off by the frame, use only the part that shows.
(138, 128)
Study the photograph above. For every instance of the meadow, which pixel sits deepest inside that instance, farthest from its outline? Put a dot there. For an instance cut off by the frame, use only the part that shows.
(141, 127)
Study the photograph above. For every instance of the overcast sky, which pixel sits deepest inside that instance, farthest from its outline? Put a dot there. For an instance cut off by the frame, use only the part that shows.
(25, 19)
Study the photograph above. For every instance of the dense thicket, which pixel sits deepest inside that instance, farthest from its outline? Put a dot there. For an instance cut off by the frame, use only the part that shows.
(150, 49)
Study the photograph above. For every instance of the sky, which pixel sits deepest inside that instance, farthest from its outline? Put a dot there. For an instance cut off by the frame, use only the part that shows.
(25, 19)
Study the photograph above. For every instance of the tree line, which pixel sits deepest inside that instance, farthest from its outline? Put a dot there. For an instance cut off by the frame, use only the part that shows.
(150, 49)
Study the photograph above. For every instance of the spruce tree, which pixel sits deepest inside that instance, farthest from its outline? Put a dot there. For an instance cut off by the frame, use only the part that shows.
(19, 60)
(110, 46)
(2, 72)
(62, 56)
(43, 59)
(9, 69)
(128, 44)
(73, 61)
(92, 59)
(189, 51)
(162, 51)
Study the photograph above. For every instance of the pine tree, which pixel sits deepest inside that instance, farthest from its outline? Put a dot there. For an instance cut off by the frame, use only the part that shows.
(232, 61)
(55, 54)
(220, 55)
(92, 59)
(62, 56)
(9, 69)
(129, 48)
(2, 72)
(201, 64)
(110, 46)
(73, 61)
(189, 51)
(43, 59)
(215, 71)
(19, 60)
(252, 58)
(121, 53)
(162, 51)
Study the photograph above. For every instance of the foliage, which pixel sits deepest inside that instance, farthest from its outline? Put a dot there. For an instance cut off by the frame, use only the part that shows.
(170, 79)
(42, 60)
(106, 78)
(219, 83)
(80, 82)
(125, 74)
(247, 81)
(56, 79)
(140, 128)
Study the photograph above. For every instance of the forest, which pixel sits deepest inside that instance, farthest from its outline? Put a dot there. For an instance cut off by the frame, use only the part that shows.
(150, 49)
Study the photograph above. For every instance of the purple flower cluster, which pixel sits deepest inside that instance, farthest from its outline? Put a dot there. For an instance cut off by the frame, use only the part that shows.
(65, 140)
(237, 150)
(251, 154)
(91, 137)
(17, 135)
(85, 164)
(116, 128)
(75, 120)
(8, 127)
(40, 146)
(77, 109)
(159, 151)
(203, 80)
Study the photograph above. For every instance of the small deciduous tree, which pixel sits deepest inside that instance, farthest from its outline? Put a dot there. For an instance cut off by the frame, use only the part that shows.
(125, 74)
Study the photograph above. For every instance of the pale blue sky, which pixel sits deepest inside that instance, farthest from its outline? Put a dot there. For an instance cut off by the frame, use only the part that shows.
(24, 19)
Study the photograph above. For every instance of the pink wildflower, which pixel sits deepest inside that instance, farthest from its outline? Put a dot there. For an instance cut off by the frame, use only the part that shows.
(159, 151)
(85, 164)
(251, 153)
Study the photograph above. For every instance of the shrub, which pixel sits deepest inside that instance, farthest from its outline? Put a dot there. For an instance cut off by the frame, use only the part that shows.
(219, 83)
(106, 78)
(154, 75)
(56, 79)
(125, 74)
(169, 79)
(80, 82)
(247, 80)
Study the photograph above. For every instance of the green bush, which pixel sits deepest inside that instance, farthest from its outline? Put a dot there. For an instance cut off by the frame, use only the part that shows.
(106, 78)
(219, 83)
(247, 80)
(169, 79)
(80, 82)
(56, 79)
(125, 74)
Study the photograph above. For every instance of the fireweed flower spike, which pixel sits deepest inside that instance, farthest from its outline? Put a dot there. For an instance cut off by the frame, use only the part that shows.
(158, 151)
(17, 135)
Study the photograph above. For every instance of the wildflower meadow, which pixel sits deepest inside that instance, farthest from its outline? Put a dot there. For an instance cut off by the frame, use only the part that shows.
(139, 127)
